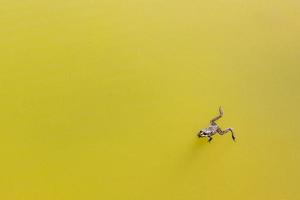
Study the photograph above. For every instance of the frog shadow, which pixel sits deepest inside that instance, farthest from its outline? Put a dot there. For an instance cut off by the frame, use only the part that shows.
(196, 147)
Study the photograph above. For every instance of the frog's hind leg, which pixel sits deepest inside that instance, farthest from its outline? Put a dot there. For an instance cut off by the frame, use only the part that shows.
(213, 121)
(222, 132)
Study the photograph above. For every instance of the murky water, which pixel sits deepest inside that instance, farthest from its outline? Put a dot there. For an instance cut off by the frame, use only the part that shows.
(103, 99)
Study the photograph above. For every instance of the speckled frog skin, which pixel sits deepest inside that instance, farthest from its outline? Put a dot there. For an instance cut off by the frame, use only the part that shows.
(214, 128)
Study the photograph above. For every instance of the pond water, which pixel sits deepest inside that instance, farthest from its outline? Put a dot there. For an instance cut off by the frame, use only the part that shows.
(103, 99)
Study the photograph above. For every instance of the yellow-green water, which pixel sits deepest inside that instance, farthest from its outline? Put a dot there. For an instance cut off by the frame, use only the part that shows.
(103, 99)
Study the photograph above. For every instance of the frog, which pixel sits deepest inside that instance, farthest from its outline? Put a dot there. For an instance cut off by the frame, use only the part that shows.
(214, 128)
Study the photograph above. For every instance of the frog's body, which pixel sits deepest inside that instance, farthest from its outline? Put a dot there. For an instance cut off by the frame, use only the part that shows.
(211, 130)
(214, 128)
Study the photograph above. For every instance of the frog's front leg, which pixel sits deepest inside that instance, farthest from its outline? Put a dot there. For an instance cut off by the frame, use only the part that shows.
(210, 138)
